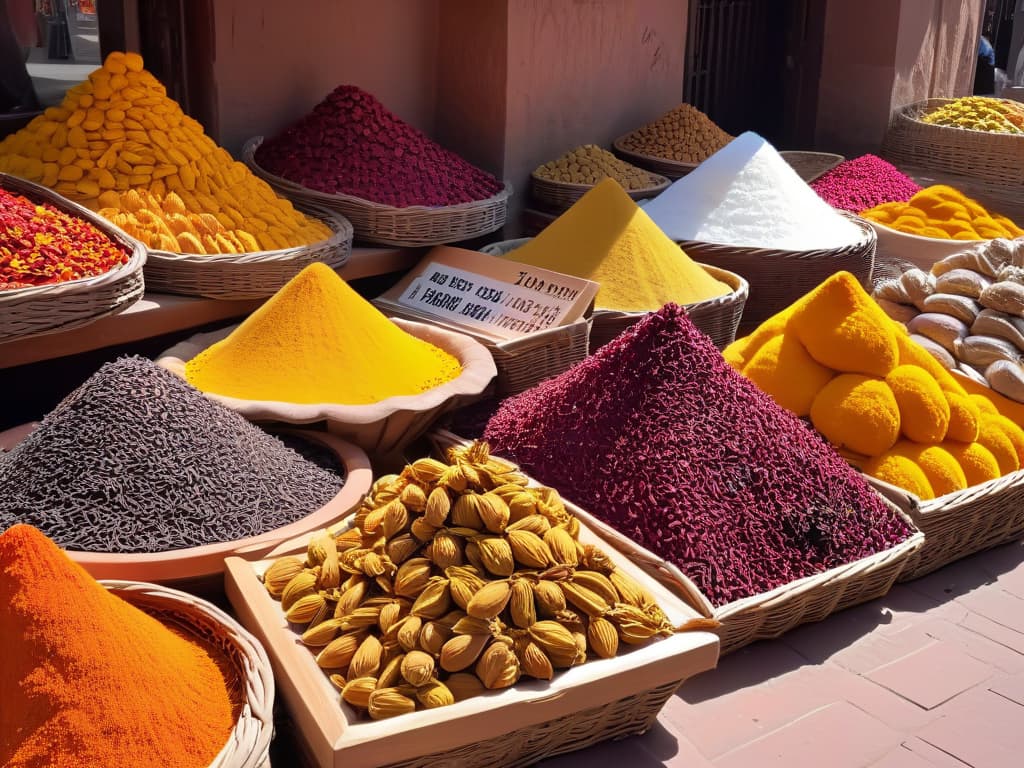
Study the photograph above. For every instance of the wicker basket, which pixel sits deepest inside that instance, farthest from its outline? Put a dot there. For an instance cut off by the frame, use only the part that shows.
(376, 223)
(249, 743)
(518, 726)
(51, 308)
(811, 165)
(995, 158)
(779, 277)
(718, 318)
(771, 614)
(670, 169)
(249, 275)
(959, 524)
(559, 195)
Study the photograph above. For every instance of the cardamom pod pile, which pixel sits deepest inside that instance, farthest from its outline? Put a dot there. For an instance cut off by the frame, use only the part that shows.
(457, 578)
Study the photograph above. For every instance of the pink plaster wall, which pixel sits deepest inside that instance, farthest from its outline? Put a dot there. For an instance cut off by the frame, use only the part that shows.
(274, 61)
(938, 48)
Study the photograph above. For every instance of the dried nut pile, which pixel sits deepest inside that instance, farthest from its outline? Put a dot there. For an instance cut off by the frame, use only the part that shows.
(968, 311)
(457, 578)
(684, 134)
(589, 164)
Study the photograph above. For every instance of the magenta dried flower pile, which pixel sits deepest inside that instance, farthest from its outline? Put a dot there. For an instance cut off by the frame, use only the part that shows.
(656, 435)
(352, 144)
(864, 182)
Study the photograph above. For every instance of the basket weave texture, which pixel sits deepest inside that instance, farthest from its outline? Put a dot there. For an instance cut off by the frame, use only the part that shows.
(670, 169)
(811, 165)
(560, 195)
(63, 306)
(718, 318)
(249, 275)
(377, 223)
(994, 158)
(962, 523)
(249, 742)
(779, 277)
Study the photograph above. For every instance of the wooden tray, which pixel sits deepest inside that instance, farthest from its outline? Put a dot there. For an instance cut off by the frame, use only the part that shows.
(584, 705)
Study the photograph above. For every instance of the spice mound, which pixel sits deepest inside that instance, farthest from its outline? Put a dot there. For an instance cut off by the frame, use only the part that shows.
(317, 341)
(877, 395)
(456, 578)
(42, 245)
(746, 194)
(118, 131)
(352, 144)
(864, 182)
(979, 113)
(940, 211)
(683, 134)
(589, 164)
(659, 437)
(608, 238)
(89, 680)
(136, 460)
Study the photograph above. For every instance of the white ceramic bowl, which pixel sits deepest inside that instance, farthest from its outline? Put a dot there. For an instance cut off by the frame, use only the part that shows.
(922, 252)
(382, 428)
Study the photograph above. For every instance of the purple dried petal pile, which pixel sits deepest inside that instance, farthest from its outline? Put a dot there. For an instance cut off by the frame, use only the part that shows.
(656, 435)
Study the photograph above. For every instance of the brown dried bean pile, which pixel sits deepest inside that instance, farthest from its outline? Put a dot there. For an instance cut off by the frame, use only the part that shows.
(136, 460)
(659, 437)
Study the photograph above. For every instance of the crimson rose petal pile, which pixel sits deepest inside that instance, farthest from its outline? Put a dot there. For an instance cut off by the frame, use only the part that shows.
(656, 435)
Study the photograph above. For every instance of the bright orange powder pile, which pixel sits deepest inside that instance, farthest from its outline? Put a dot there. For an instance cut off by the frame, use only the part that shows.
(89, 681)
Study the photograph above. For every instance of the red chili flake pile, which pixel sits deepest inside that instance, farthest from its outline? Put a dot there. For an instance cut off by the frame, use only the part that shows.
(864, 182)
(42, 245)
(656, 435)
(352, 144)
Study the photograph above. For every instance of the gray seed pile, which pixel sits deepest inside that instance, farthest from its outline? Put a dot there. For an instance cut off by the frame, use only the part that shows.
(136, 460)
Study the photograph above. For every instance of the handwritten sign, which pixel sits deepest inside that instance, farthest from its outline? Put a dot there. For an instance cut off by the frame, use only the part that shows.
(492, 296)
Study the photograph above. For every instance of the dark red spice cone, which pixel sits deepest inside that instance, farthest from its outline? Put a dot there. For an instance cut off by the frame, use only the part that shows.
(659, 437)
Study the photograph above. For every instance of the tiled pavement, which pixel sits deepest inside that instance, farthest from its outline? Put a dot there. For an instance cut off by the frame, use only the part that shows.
(930, 675)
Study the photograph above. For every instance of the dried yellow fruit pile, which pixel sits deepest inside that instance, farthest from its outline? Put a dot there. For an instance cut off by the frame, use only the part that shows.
(119, 131)
(979, 113)
(684, 134)
(456, 578)
(589, 164)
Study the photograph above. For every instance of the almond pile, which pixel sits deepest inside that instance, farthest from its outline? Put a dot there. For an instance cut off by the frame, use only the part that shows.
(457, 578)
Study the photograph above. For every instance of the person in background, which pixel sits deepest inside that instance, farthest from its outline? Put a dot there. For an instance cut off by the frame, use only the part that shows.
(985, 74)
(16, 91)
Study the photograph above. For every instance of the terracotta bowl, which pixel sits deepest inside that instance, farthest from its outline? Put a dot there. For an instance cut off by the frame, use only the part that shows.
(200, 564)
(382, 428)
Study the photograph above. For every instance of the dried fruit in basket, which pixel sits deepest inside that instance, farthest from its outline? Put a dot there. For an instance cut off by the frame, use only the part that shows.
(684, 134)
(979, 113)
(42, 245)
(352, 144)
(659, 437)
(512, 593)
(118, 131)
(589, 164)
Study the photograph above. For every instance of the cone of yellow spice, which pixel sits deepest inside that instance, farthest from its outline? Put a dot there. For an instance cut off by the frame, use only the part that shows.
(607, 238)
(834, 357)
(945, 213)
(318, 341)
(89, 680)
(118, 131)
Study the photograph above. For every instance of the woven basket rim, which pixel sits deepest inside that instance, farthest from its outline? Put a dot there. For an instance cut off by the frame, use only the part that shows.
(811, 153)
(249, 742)
(138, 253)
(868, 236)
(643, 157)
(249, 158)
(341, 232)
(660, 183)
(916, 110)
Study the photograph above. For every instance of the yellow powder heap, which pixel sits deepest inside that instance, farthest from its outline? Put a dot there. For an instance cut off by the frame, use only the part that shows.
(606, 237)
(882, 400)
(317, 341)
(118, 131)
(945, 213)
(683, 134)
